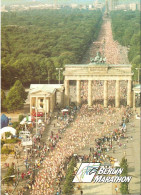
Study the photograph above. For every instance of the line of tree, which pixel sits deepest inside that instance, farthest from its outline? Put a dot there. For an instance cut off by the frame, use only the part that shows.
(68, 187)
(15, 99)
(126, 30)
(35, 42)
(124, 186)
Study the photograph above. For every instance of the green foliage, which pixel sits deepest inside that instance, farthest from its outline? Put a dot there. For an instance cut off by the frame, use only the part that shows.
(126, 30)
(68, 186)
(8, 134)
(2, 143)
(3, 100)
(16, 97)
(6, 150)
(11, 141)
(15, 125)
(35, 42)
(124, 186)
(124, 165)
(18, 85)
(10, 172)
(21, 117)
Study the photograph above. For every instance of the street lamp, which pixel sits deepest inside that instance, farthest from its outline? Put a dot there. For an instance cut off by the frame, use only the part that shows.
(59, 72)
(36, 117)
(138, 69)
(8, 177)
(45, 106)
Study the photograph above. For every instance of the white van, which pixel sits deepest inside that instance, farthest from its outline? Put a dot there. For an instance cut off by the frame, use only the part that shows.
(24, 134)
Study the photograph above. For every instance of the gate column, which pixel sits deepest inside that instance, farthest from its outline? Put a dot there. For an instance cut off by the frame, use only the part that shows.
(31, 104)
(129, 93)
(78, 88)
(89, 93)
(134, 100)
(117, 95)
(47, 106)
(62, 98)
(105, 94)
(67, 92)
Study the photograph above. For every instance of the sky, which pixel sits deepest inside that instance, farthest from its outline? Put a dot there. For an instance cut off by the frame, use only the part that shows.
(10, 2)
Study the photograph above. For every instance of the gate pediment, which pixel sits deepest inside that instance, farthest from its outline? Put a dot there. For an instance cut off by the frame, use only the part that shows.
(98, 69)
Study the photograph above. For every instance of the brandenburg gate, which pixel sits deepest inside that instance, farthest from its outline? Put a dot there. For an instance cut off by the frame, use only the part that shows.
(100, 72)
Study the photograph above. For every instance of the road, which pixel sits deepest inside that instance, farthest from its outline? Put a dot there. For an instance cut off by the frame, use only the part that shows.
(133, 151)
(114, 53)
(120, 54)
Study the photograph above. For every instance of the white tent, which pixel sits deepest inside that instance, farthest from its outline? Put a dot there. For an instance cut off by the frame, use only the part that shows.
(7, 129)
(64, 110)
(39, 121)
(24, 121)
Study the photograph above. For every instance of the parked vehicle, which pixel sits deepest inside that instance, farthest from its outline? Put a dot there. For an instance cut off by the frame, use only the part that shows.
(24, 134)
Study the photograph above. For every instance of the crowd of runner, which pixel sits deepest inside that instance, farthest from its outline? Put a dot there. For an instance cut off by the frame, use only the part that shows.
(92, 127)
(111, 49)
(107, 46)
(88, 129)
(85, 130)
(98, 91)
(95, 127)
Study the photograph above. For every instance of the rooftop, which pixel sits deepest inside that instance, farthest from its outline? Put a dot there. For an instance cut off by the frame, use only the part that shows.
(50, 88)
(99, 65)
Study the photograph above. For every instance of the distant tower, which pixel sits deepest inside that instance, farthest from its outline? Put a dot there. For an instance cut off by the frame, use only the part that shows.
(116, 2)
(55, 3)
(113, 3)
(106, 6)
(110, 5)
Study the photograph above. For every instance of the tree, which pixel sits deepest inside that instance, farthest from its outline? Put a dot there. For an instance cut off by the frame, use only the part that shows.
(21, 89)
(69, 185)
(136, 64)
(3, 100)
(21, 117)
(125, 27)
(124, 186)
(16, 97)
(47, 69)
(23, 69)
(62, 38)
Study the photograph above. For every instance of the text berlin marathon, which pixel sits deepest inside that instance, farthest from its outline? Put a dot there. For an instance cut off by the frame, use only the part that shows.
(111, 179)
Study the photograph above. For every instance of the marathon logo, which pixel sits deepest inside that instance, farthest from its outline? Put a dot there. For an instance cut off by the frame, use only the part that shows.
(89, 172)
